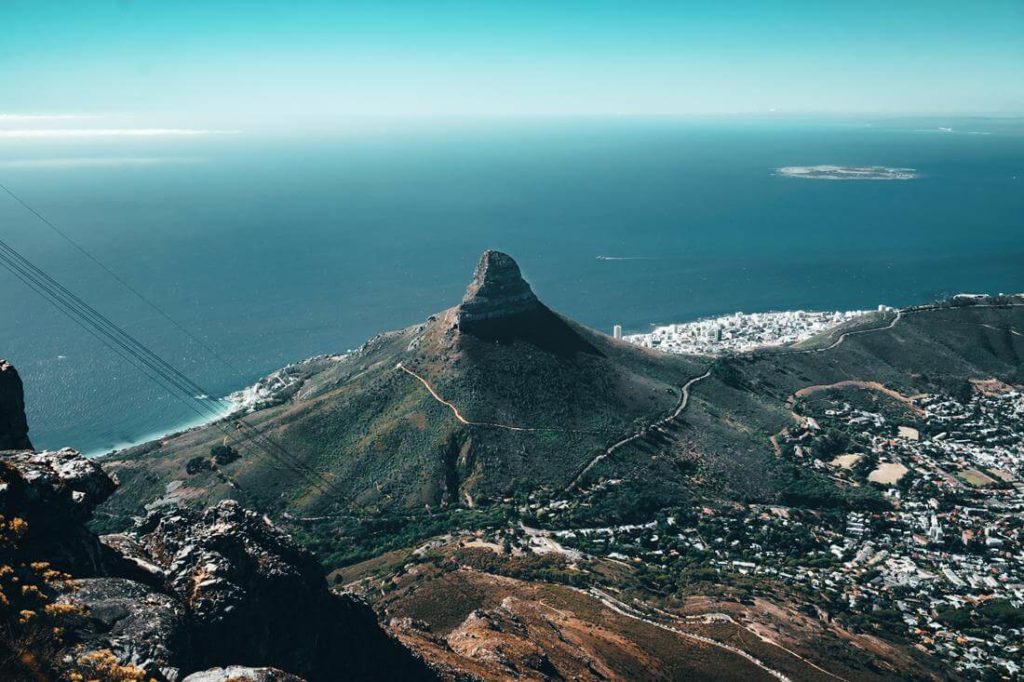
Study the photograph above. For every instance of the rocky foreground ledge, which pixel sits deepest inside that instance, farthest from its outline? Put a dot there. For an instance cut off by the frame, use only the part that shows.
(191, 596)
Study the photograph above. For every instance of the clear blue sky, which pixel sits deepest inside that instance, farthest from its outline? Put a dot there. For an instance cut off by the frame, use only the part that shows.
(254, 63)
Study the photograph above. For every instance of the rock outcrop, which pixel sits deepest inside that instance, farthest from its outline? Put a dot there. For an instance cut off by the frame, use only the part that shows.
(188, 591)
(13, 425)
(498, 290)
(143, 627)
(500, 307)
(256, 597)
(55, 493)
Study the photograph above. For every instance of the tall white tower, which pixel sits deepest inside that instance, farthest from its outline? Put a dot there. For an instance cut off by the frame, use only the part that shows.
(617, 331)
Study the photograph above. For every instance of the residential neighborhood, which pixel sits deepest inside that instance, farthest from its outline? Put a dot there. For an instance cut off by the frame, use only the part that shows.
(939, 562)
(741, 332)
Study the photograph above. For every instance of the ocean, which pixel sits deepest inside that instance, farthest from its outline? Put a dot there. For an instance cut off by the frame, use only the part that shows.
(275, 248)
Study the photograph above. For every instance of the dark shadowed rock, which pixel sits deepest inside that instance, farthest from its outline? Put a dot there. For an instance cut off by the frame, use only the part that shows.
(55, 493)
(142, 627)
(13, 425)
(497, 290)
(134, 561)
(255, 597)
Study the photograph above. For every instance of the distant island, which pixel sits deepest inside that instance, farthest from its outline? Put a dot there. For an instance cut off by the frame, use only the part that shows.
(847, 172)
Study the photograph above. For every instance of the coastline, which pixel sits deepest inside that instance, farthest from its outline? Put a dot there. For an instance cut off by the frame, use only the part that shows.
(740, 332)
(266, 391)
(227, 408)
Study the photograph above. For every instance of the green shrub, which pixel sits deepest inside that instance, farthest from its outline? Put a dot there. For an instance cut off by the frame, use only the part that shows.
(223, 454)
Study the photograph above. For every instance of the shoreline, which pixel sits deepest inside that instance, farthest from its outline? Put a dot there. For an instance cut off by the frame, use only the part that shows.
(228, 407)
(264, 392)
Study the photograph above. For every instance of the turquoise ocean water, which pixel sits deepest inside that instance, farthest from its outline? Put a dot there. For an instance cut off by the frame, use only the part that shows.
(272, 249)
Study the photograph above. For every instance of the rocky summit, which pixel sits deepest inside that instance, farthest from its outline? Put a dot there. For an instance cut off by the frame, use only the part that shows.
(497, 291)
(500, 307)
(13, 426)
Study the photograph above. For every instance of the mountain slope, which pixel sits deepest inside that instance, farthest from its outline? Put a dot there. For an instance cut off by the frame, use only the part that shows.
(500, 396)
(555, 455)
(496, 395)
(725, 436)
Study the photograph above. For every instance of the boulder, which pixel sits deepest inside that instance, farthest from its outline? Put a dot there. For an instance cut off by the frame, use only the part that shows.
(64, 478)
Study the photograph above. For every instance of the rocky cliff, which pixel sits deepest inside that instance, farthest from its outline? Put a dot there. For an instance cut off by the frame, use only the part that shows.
(251, 595)
(13, 426)
(497, 290)
(183, 592)
(500, 307)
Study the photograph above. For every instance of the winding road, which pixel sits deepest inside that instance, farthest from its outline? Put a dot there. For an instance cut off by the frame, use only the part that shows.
(624, 610)
(684, 398)
(843, 336)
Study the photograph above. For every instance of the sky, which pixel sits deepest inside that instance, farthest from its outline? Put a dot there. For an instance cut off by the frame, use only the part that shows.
(188, 65)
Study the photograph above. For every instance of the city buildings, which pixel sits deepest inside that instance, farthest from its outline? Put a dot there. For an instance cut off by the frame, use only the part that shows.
(741, 332)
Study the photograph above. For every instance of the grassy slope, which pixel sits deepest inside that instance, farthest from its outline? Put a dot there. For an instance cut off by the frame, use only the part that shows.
(588, 401)
(375, 439)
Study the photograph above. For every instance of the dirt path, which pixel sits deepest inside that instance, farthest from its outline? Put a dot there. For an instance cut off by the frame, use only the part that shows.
(684, 398)
(865, 385)
(437, 397)
(845, 335)
(625, 610)
(720, 617)
(908, 401)
(467, 422)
